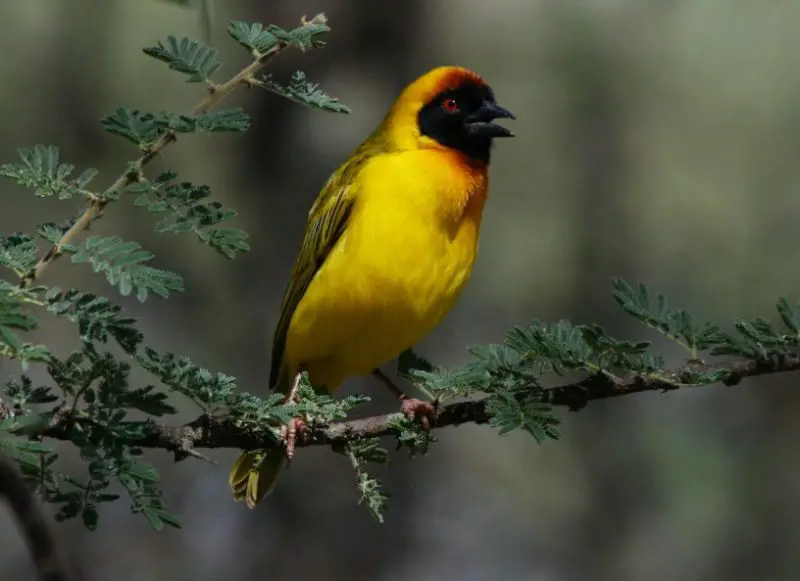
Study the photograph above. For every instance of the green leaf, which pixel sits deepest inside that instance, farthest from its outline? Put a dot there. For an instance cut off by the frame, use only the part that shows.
(26, 453)
(18, 253)
(674, 323)
(148, 502)
(90, 516)
(144, 129)
(301, 91)
(411, 434)
(790, 316)
(53, 232)
(367, 451)
(34, 447)
(135, 126)
(142, 472)
(510, 411)
(228, 241)
(224, 121)
(20, 393)
(190, 210)
(612, 354)
(158, 518)
(24, 424)
(147, 400)
(181, 375)
(125, 266)
(153, 518)
(362, 452)
(758, 339)
(169, 519)
(262, 40)
(98, 319)
(42, 172)
(556, 346)
(190, 57)
(13, 318)
(304, 37)
(253, 36)
(372, 495)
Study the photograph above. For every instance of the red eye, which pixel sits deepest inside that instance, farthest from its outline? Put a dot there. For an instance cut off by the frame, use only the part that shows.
(450, 105)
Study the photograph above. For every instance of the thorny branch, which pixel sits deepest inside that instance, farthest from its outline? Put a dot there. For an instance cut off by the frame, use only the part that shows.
(209, 432)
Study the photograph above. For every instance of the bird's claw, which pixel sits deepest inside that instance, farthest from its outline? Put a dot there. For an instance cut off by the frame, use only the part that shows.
(417, 409)
(296, 429)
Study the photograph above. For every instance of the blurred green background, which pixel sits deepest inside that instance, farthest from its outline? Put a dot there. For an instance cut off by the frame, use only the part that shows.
(657, 140)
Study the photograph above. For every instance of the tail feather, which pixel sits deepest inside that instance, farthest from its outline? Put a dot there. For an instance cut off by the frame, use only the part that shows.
(255, 473)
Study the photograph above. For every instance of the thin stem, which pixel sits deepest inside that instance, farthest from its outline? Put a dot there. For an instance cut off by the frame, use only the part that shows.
(353, 458)
(86, 385)
(88, 491)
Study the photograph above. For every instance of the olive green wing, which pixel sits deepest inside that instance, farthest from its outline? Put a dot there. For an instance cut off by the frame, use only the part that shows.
(327, 220)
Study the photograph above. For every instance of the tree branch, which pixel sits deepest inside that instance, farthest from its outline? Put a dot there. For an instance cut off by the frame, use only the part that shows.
(216, 93)
(31, 520)
(209, 432)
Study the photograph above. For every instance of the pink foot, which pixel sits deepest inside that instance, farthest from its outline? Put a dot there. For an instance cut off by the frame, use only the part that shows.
(424, 411)
(297, 428)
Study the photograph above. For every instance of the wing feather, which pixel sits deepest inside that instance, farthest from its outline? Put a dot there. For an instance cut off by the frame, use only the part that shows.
(327, 220)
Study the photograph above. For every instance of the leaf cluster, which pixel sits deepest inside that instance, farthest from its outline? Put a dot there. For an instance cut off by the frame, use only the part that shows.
(514, 374)
(88, 398)
(125, 265)
(144, 129)
(361, 453)
(303, 92)
(42, 171)
(189, 208)
(262, 40)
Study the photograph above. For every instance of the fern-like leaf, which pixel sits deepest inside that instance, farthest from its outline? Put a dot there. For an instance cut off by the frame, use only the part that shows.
(18, 253)
(260, 40)
(125, 266)
(97, 318)
(42, 172)
(301, 91)
(133, 125)
(189, 209)
(13, 318)
(190, 57)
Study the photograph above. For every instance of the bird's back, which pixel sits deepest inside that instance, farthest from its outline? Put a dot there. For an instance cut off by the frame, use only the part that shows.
(397, 269)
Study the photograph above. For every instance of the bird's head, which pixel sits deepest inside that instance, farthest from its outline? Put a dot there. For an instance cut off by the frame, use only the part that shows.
(448, 107)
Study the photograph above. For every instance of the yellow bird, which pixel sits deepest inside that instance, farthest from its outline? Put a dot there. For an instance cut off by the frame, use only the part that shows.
(388, 248)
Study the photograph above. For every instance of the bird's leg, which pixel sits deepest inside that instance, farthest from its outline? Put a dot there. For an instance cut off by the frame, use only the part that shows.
(412, 407)
(296, 426)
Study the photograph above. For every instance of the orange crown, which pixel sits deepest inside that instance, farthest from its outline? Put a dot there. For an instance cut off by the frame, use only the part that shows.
(400, 125)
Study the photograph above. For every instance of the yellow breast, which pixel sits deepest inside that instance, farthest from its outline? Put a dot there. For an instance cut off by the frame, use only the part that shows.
(399, 267)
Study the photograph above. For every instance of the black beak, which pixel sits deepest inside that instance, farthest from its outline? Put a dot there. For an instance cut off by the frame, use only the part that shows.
(480, 122)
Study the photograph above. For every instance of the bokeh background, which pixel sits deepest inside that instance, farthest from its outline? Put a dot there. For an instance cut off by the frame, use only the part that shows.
(657, 140)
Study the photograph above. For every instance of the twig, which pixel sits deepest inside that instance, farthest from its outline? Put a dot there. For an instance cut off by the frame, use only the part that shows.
(216, 93)
(32, 522)
(207, 432)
